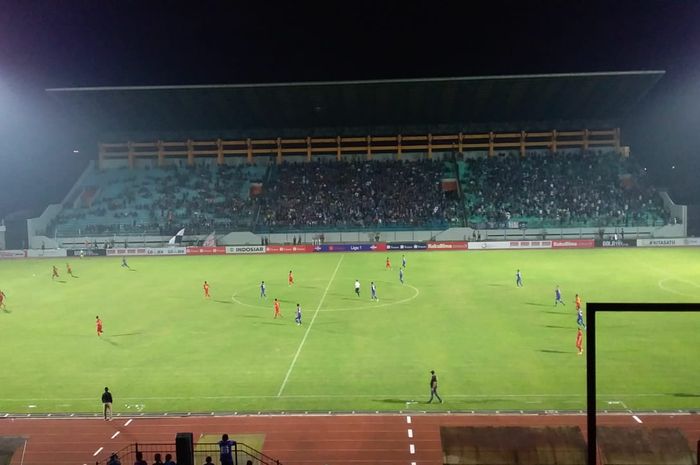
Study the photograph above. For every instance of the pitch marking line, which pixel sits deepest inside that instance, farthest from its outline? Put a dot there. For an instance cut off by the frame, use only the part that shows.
(408, 420)
(308, 329)
(128, 422)
(636, 418)
(115, 435)
(24, 449)
(412, 448)
(410, 433)
(97, 451)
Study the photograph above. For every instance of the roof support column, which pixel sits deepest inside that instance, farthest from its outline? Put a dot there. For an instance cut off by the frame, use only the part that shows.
(491, 144)
(190, 152)
(279, 151)
(249, 147)
(219, 151)
(398, 151)
(586, 135)
(161, 153)
(337, 148)
(461, 143)
(523, 135)
(100, 155)
(130, 154)
(308, 148)
(430, 146)
(553, 146)
(369, 147)
(616, 140)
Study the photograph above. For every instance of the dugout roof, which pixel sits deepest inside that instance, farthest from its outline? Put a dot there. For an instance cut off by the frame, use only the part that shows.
(378, 106)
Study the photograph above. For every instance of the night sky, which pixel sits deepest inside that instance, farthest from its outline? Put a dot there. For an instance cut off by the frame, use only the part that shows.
(110, 43)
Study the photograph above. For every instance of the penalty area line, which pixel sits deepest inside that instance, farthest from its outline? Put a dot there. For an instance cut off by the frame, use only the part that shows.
(308, 328)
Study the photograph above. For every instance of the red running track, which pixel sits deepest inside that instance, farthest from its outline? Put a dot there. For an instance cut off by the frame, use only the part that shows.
(294, 440)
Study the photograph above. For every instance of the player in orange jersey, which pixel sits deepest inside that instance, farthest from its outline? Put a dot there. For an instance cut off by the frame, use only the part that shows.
(578, 302)
(290, 278)
(98, 323)
(277, 309)
(206, 290)
(69, 270)
(388, 263)
(54, 273)
(2, 301)
(579, 341)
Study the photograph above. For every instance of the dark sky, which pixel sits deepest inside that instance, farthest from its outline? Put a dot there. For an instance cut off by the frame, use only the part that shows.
(99, 43)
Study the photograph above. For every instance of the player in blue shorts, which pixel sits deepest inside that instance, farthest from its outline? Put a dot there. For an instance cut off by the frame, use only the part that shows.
(579, 319)
(401, 275)
(557, 297)
(357, 287)
(124, 264)
(518, 279)
(262, 290)
(373, 291)
(298, 317)
(403, 261)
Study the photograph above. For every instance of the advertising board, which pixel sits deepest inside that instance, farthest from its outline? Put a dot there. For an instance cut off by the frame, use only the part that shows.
(87, 252)
(13, 254)
(245, 249)
(147, 251)
(406, 246)
(573, 243)
(447, 245)
(499, 245)
(206, 250)
(289, 249)
(675, 242)
(350, 247)
(47, 253)
(616, 243)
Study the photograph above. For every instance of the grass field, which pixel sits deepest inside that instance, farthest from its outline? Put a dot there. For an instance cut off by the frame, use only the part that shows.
(494, 346)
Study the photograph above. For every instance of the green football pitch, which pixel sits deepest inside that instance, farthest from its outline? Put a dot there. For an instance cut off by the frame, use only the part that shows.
(494, 346)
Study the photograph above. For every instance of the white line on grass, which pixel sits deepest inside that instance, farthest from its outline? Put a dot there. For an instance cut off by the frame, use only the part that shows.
(308, 328)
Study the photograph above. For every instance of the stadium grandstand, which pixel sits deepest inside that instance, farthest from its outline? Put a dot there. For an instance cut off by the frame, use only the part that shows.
(531, 156)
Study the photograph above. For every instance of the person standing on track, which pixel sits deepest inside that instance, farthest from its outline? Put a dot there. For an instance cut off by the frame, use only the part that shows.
(107, 404)
(433, 387)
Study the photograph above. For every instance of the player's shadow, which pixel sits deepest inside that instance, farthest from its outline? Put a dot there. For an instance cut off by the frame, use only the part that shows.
(274, 323)
(134, 333)
(552, 351)
(223, 302)
(6, 310)
(496, 285)
(534, 304)
(557, 327)
(60, 281)
(250, 316)
(74, 276)
(398, 401)
(684, 394)
(556, 313)
(108, 341)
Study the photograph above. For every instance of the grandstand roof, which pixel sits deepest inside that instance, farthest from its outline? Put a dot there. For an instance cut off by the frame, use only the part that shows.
(306, 107)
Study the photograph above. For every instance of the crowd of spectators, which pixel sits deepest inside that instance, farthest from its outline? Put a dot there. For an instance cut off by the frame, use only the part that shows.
(200, 198)
(359, 194)
(566, 190)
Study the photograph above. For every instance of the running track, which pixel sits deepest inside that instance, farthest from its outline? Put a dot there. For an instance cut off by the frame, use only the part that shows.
(294, 440)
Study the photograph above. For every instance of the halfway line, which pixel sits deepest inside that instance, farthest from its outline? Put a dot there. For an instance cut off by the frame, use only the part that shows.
(296, 356)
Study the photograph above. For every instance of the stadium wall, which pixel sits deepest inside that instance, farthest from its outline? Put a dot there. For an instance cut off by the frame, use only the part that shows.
(677, 211)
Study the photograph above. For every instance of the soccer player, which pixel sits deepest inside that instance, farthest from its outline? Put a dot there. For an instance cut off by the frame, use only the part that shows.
(298, 317)
(2, 300)
(206, 290)
(69, 270)
(518, 279)
(557, 297)
(357, 287)
(433, 387)
(373, 290)
(403, 261)
(124, 264)
(54, 273)
(290, 278)
(579, 341)
(578, 302)
(401, 275)
(262, 290)
(388, 263)
(277, 309)
(579, 318)
(98, 323)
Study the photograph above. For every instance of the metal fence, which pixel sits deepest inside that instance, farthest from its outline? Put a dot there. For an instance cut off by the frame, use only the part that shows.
(242, 453)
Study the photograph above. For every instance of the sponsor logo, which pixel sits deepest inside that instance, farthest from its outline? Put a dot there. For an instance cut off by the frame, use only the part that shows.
(447, 246)
(289, 249)
(573, 244)
(407, 246)
(245, 249)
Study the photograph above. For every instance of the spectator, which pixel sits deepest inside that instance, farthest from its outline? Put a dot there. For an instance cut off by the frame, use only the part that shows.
(139, 459)
(157, 460)
(226, 450)
(208, 461)
(169, 460)
(114, 460)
